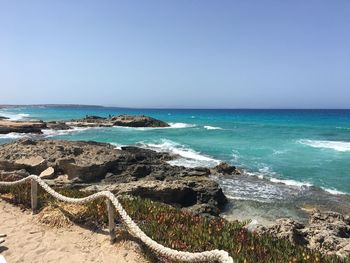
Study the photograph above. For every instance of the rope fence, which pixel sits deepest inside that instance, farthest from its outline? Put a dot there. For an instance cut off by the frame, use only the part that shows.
(111, 200)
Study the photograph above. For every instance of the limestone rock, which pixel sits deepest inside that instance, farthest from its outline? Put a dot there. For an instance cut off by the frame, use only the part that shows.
(49, 173)
(137, 121)
(33, 164)
(7, 126)
(131, 170)
(225, 169)
(58, 125)
(327, 232)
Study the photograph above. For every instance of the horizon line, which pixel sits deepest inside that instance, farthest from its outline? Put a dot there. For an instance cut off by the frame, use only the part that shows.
(157, 108)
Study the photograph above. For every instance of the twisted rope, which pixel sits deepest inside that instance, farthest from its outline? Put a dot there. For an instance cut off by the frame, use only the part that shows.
(212, 255)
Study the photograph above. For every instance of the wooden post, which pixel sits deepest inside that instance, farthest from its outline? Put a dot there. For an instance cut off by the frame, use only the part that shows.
(34, 195)
(111, 222)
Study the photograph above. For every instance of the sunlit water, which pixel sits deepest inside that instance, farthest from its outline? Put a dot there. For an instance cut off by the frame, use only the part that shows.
(292, 159)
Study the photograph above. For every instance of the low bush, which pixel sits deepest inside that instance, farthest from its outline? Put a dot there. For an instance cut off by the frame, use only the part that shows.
(182, 230)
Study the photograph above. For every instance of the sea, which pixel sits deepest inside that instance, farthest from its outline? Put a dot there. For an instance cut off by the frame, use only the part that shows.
(293, 161)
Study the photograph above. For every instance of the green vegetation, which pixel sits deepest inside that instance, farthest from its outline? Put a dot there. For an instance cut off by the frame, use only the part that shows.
(182, 230)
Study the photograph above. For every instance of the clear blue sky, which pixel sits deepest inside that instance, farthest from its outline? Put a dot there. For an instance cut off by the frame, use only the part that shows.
(179, 53)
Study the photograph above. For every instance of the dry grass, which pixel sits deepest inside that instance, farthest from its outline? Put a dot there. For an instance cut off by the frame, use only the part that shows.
(60, 215)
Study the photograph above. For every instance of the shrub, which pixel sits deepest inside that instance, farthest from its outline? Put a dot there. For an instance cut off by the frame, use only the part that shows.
(182, 230)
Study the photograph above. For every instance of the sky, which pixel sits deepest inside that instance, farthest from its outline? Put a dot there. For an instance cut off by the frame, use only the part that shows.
(176, 53)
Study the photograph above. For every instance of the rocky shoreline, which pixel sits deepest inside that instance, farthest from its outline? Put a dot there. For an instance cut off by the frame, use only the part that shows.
(129, 170)
(327, 232)
(37, 127)
(93, 166)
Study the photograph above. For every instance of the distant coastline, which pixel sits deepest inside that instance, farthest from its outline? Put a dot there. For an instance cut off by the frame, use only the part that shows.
(168, 108)
(50, 105)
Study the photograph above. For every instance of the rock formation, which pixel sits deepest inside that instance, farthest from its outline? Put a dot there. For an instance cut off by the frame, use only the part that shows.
(8, 126)
(326, 232)
(100, 166)
(225, 169)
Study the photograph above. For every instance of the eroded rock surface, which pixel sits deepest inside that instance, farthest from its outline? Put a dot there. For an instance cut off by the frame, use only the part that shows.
(7, 126)
(100, 166)
(327, 232)
(120, 120)
(37, 127)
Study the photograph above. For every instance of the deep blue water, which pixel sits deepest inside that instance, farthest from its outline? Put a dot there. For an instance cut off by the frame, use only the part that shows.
(286, 154)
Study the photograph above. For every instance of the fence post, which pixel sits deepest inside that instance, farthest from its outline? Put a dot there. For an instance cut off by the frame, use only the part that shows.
(34, 195)
(111, 222)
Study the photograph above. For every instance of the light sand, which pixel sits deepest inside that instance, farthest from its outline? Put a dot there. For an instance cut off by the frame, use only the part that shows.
(28, 241)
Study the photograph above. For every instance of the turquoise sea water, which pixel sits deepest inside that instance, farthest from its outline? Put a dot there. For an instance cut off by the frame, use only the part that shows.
(290, 157)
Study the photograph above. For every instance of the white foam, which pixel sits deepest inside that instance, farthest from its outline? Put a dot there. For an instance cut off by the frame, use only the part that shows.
(290, 182)
(212, 128)
(180, 125)
(117, 145)
(53, 133)
(13, 135)
(339, 146)
(173, 125)
(278, 152)
(241, 198)
(267, 174)
(333, 191)
(189, 157)
(14, 116)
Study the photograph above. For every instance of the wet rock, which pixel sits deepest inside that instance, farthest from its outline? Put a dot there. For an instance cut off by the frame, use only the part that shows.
(225, 169)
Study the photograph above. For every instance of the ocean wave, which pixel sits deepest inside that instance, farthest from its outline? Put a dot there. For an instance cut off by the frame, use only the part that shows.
(117, 145)
(339, 146)
(52, 133)
(181, 125)
(173, 125)
(333, 191)
(212, 128)
(241, 198)
(14, 116)
(188, 156)
(278, 152)
(267, 174)
(14, 135)
(290, 182)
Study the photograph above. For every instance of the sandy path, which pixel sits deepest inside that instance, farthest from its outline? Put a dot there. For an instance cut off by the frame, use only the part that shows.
(28, 241)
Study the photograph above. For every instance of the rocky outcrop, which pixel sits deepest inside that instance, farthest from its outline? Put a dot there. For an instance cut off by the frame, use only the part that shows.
(225, 169)
(327, 232)
(137, 121)
(7, 126)
(36, 127)
(120, 120)
(58, 125)
(129, 170)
